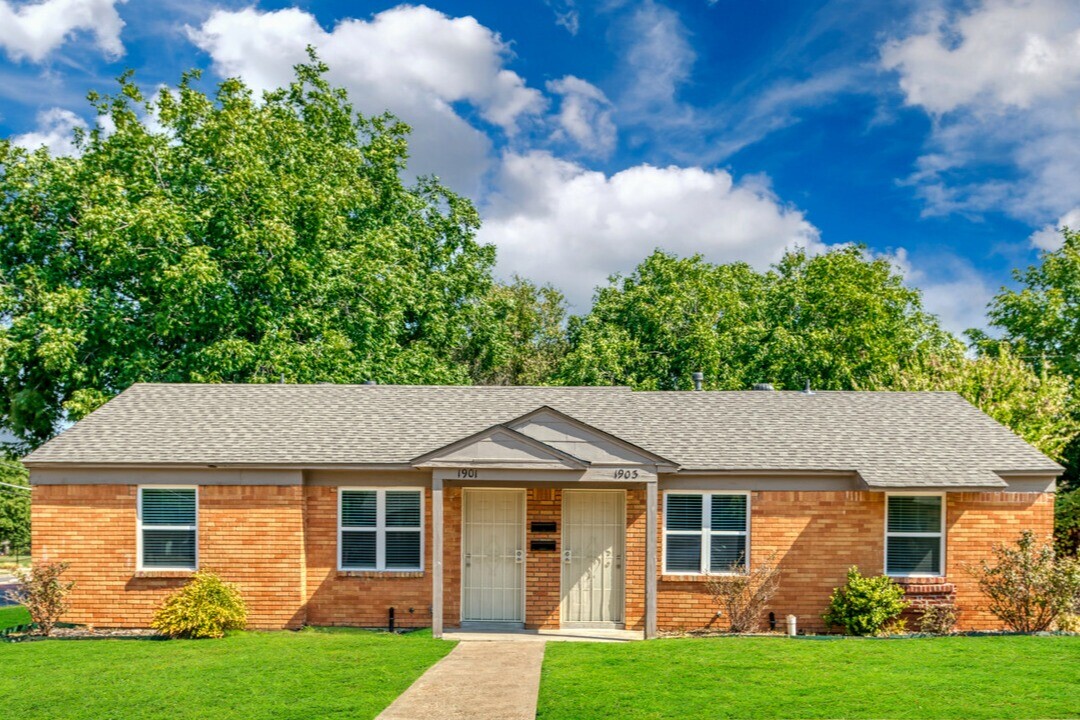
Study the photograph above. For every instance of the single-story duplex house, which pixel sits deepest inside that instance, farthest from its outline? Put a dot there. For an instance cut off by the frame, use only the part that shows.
(542, 507)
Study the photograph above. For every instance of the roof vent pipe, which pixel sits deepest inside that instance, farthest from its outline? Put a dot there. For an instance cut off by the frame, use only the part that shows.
(763, 386)
(370, 382)
(807, 390)
(698, 378)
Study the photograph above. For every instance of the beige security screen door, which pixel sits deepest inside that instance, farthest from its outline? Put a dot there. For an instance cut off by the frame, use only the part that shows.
(493, 555)
(594, 531)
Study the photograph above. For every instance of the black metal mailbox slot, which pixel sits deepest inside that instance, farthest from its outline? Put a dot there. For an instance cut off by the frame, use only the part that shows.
(538, 527)
(542, 545)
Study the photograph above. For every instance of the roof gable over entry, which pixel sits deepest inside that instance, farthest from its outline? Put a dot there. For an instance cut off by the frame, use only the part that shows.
(501, 447)
(543, 439)
(583, 441)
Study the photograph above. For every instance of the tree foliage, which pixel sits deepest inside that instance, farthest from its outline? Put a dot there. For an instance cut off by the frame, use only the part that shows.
(1037, 406)
(14, 506)
(238, 239)
(1041, 319)
(517, 336)
(839, 320)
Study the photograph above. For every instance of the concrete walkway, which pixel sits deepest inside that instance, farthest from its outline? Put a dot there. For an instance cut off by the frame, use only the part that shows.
(477, 680)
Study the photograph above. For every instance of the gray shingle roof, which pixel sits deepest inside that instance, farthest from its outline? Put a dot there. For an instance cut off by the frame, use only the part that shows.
(889, 438)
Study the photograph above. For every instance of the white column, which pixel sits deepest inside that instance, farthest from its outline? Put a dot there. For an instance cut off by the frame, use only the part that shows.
(651, 511)
(436, 556)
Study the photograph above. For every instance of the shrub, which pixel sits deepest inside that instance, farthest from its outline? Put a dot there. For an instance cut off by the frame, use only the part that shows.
(204, 608)
(744, 595)
(1027, 586)
(42, 593)
(865, 605)
(938, 619)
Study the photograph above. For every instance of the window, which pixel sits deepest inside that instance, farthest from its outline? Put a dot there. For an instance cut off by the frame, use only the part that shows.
(168, 528)
(914, 535)
(380, 529)
(705, 533)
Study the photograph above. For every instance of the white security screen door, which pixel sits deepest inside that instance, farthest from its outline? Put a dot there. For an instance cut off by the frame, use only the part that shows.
(594, 531)
(493, 555)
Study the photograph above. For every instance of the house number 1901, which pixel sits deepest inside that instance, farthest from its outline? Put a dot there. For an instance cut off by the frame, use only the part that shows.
(468, 473)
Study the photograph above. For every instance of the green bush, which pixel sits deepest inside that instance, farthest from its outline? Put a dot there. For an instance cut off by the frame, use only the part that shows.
(865, 605)
(938, 619)
(204, 608)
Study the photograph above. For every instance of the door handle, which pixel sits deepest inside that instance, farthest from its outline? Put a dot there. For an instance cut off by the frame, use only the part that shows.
(468, 559)
(519, 556)
(618, 561)
(566, 556)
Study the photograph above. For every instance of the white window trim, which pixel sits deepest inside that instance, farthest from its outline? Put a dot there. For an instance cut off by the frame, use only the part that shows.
(380, 528)
(140, 528)
(706, 535)
(941, 534)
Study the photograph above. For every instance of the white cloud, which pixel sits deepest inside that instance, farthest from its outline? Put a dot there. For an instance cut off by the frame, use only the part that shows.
(555, 221)
(1004, 53)
(32, 31)
(1001, 83)
(412, 60)
(566, 15)
(1049, 236)
(658, 59)
(56, 131)
(584, 115)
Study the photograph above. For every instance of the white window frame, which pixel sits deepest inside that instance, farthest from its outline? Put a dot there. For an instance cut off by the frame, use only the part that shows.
(940, 534)
(380, 528)
(140, 528)
(705, 534)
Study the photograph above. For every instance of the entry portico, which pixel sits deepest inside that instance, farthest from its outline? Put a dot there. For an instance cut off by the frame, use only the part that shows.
(592, 470)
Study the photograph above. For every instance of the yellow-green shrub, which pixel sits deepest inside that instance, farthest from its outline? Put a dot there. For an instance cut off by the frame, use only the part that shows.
(204, 608)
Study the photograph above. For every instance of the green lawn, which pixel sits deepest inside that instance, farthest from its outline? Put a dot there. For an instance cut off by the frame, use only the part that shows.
(13, 615)
(309, 674)
(960, 677)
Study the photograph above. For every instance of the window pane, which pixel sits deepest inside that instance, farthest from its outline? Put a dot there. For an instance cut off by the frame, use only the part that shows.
(358, 508)
(917, 513)
(163, 506)
(683, 512)
(358, 549)
(402, 508)
(169, 548)
(683, 553)
(402, 549)
(914, 555)
(729, 512)
(727, 553)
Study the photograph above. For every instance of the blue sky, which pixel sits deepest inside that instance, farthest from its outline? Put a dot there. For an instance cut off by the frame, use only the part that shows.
(943, 135)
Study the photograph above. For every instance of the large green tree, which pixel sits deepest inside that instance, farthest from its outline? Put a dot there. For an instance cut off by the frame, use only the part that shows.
(839, 320)
(235, 238)
(1041, 318)
(517, 336)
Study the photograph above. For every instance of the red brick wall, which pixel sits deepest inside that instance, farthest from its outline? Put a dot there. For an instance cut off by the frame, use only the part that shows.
(635, 559)
(362, 599)
(279, 544)
(248, 534)
(818, 535)
(543, 568)
(974, 523)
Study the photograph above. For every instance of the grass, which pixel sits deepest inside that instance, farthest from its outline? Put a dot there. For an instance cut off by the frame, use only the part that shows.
(960, 677)
(13, 615)
(308, 674)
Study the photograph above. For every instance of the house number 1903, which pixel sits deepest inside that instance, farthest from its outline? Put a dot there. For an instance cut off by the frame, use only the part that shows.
(468, 473)
(626, 474)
